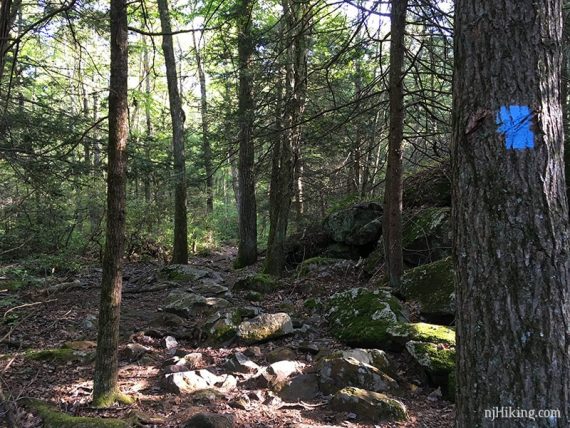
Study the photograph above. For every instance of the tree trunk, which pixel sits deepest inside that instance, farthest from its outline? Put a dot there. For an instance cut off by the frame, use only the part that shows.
(282, 185)
(206, 149)
(247, 248)
(180, 250)
(392, 222)
(510, 214)
(148, 124)
(105, 389)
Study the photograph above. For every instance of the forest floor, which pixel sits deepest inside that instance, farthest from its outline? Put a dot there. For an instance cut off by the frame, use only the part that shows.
(38, 320)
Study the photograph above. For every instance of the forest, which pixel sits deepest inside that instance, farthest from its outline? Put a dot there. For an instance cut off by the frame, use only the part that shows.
(284, 213)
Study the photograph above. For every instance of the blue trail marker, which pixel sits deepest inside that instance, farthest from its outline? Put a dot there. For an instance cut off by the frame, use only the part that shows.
(515, 123)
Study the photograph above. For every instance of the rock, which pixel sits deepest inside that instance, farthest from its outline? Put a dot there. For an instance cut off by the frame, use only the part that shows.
(259, 282)
(89, 322)
(169, 343)
(429, 187)
(281, 353)
(426, 236)
(210, 420)
(357, 225)
(368, 405)
(421, 332)
(339, 372)
(60, 355)
(436, 359)
(264, 327)
(338, 250)
(134, 351)
(310, 242)
(167, 320)
(360, 317)
(222, 326)
(239, 363)
(253, 352)
(189, 305)
(190, 273)
(276, 375)
(209, 288)
(300, 388)
(193, 360)
(432, 286)
(373, 357)
(322, 266)
(189, 382)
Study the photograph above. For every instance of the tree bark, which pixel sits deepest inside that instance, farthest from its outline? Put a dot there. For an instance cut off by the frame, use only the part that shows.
(206, 148)
(247, 247)
(510, 213)
(392, 221)
(180, 250)
(282, 184)
(105, 389)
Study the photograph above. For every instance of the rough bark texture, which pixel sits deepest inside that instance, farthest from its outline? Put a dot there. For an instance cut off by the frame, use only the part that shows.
(510, 215)
(206, 149)
(295, 19)
(180, 250)
(392, 222)
(106, 360)
(247, 248)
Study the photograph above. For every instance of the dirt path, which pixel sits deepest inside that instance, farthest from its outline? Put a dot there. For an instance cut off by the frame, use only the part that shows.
(70, 315)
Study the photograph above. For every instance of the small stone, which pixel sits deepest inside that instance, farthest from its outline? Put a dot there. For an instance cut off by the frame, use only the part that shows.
(301, 388)
(210, 420)
(435, 395)
(134, 351)
(264, 327)
(239, 363)
(280, 354)
(169, 343)
(253, 352)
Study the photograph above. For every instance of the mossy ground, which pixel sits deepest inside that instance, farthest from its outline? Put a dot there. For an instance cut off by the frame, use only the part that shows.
(59, 354)
(53, 418)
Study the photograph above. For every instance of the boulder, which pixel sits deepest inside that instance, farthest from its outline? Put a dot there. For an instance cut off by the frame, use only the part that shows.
(425, 238)
(303, 387)
(421, 332)
(360, 317)
(189, 305)
(368, 405)
(265, 327)
(356, 225)
(339, 372)
(276, 375)
(432, 286)
(438, 362)
(429, 187)
(210, 420)
(310, 242)
(260, 282)
(323, 266)
(209, 288)
(372, 357)
(187, 273)
(280, 354)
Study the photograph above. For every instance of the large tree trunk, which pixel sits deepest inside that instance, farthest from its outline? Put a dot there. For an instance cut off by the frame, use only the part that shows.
(105, 389)
(510, 214)
(206, 149)
(180, 250)
(392, 222)
(282, 184)
(247, 248)
(148, 123)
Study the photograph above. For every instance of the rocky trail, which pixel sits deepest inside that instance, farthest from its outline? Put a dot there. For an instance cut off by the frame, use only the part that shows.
(206, 346)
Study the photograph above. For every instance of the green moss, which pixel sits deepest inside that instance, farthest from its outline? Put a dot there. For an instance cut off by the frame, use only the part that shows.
(59, 354)
(12, 284)
(107, 400)
(432, 286)
(56, 419)
(260, 282)
(360, 317)
(307, 265)
(436, 359)
(422, 332)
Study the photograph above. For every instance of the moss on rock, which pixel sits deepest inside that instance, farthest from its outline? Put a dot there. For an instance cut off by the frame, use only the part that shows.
(421, 332)
(360, 317)
(60, 355)
(368, 405)
(311, 264)
(436, 359)
(260, 283)
(53, 418)
(432, 286)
